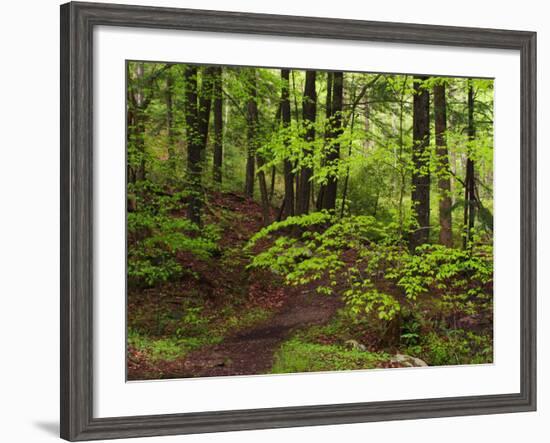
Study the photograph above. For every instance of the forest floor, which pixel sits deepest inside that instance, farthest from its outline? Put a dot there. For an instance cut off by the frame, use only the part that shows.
(221, 318)
(251, 351)
(242, 319)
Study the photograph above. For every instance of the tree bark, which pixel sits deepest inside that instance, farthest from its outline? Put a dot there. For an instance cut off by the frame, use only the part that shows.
(131, 125)
(140, 120)
(205, 105)
(288, 204)
(194, 167)
(309, 114)
(197, 118)
(346, 180)
(253, 157)
(328, 114)
(170, 121)
(469, 182)
(218, 126)
(333, 155)
(420, 157)
(272, 186)
(263, 191)
(443, 172)
(251, 136)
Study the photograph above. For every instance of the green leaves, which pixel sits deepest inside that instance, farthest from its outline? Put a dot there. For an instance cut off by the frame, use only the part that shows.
(156, 237)
(356, 256)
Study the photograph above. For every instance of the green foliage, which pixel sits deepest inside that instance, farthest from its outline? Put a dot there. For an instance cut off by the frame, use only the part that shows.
(156, 237)
(454, 347)
(413, 300)
(296, 355)
(354, 253)
(168, 348)
(318, 251)
(463, 278)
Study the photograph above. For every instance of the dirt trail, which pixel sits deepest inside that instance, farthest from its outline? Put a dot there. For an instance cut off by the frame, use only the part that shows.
(251, 351)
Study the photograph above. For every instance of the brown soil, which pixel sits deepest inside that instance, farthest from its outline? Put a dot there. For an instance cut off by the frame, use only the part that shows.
(251, 351)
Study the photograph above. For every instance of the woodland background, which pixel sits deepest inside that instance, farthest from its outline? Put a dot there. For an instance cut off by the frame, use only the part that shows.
(250, 190)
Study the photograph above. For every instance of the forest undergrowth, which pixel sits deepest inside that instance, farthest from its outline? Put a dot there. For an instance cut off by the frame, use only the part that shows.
(297, 220)
(234, 289)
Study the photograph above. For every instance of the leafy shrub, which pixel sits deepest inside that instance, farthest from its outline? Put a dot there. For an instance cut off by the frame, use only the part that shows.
(375, 273)
(317, 250)
(454, 347)
(462, 278)
(155, 237)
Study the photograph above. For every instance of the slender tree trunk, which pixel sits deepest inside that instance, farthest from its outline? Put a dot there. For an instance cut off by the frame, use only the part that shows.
(194, 167)
(367, 142)
(251, 134)
(197, 118)
(170, 121)
(346, 180)
(253, 155)
(354, 101)
(288, 203)
(131, 125)
(140, 120)
(218, 126)
(421, 174)
(263, 191)
(443, 172)
(309, 113)
(205, 105)
(333, 155)
(272, 187)
(130, 170)
(398, 158)
(328, 114)
(469, 182)
(131, 201)
(296, 111)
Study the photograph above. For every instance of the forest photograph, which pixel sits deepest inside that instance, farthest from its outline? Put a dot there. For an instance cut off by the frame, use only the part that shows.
(291, 220)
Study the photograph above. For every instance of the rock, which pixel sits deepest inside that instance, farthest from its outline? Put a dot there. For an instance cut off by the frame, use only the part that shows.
(354, 344)
(407, 361)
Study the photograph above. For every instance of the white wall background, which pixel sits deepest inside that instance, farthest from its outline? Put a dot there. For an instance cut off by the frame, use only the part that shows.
(29, 188)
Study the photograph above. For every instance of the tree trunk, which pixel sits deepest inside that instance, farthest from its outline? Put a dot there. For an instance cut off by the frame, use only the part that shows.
(131, 125)
(140, 120)
(333, 155)
(272, 187)
(194, 168)
(218, 126)
(170, 121)
(420, 156)
(469, 182)
(346, 180)
(251, 136)
(131, 202)
(263, 191)
(197, 118)
(328, 113)
(288, 203)
(309, 114)
(443, 172)
(205, 105)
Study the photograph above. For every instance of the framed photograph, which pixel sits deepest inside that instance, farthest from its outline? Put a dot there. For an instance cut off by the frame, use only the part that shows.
(273, 221)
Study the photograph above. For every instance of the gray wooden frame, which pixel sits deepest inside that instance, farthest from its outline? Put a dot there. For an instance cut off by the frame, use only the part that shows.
(77, 23)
